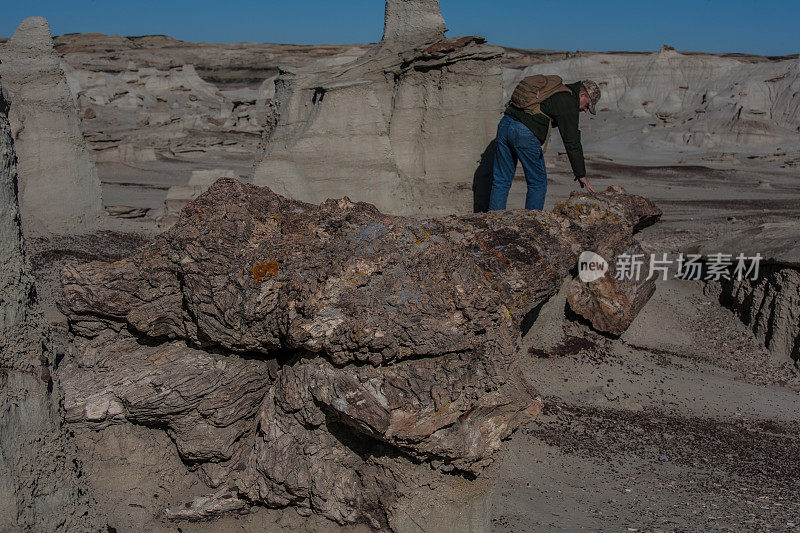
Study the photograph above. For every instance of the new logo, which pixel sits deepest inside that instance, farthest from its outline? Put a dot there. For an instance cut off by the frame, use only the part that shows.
(591, 266)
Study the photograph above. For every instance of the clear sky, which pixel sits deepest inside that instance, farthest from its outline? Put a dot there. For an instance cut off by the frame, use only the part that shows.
(766, 27)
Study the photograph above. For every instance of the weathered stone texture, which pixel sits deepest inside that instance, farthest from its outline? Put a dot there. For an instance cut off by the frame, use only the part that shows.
(769, 304)
(403, 129)
(15, 282)
(412, 21)
(314, 355)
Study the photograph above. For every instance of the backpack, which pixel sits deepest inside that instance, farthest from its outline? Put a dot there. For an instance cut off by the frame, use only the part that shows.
(533, 90)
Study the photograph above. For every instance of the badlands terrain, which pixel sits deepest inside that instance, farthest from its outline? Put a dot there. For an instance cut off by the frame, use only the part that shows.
(152, 407)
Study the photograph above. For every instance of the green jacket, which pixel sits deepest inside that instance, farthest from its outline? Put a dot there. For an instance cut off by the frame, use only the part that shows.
(563, 109)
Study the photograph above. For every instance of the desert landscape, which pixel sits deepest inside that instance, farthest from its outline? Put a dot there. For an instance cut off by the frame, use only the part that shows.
(255, 287)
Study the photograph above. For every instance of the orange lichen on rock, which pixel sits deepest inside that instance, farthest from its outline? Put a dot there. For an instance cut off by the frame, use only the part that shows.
(262, 270)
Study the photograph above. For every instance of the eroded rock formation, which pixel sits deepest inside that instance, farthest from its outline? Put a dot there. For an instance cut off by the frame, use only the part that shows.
(141, 113)
(403, 127)
(770, 303)
(59, 187)
(611, 302)
(702, 100)
(39, 478)
(322, 356)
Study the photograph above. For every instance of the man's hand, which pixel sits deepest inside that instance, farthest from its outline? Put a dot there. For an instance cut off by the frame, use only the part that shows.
(585, 183)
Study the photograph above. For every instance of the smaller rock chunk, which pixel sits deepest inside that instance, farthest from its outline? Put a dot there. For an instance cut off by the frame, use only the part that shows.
(223, 501)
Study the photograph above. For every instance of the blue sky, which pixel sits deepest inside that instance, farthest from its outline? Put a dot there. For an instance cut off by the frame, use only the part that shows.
(767, 27)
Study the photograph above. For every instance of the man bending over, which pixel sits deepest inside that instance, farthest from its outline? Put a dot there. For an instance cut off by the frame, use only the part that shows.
(538, 104)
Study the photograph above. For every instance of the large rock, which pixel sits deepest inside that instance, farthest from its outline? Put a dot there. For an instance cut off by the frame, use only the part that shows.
(316, 356)
(40, 487)
(404, 127)
(611, 302)
(59, 186)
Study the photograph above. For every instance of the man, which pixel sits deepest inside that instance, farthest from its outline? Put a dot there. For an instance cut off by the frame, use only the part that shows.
(521, 133)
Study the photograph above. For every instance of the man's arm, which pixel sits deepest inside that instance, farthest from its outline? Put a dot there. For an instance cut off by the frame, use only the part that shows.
(566, 115)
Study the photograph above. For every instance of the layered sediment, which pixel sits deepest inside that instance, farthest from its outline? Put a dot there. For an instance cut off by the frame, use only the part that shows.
(406, 126)
(765, 295)
(697, 100)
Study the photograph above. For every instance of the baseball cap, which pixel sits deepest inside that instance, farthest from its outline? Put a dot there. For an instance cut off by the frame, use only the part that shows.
(591, 89)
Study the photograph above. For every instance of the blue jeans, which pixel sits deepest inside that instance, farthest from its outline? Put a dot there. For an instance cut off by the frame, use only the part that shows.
(516, 142)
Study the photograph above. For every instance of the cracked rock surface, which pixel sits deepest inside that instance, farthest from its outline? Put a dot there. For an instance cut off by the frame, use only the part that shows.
(325, 356)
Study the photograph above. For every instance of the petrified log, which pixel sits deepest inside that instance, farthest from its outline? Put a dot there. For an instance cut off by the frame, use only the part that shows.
(608, 210)
(324, 350)
(611, 302)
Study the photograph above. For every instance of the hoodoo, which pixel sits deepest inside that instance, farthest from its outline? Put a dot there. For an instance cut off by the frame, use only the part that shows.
(58, 183)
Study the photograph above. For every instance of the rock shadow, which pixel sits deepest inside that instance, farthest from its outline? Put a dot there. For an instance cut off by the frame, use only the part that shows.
(482, 180)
